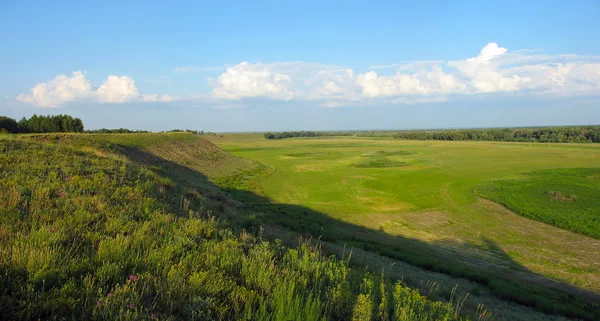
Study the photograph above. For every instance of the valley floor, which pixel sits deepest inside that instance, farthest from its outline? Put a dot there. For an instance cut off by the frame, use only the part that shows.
(423, 195)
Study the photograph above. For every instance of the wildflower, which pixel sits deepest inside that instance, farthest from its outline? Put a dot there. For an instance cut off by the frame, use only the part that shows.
(109, 294)
(133, 277)
(62, 194)
(68, 178)
(52, 228)
(132, 306)
(98, 303)
(153, 316)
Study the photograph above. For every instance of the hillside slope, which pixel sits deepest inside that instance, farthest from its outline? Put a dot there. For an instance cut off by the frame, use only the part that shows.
(104, 227)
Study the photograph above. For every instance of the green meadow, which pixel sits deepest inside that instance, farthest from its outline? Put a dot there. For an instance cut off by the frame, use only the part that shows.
(519, 218)
(567, 198)
(171, 226)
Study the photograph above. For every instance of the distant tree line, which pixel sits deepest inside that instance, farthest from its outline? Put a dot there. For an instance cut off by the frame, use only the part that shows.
(579, 134)
(371, 133)
(42, 124)
(115, 131)
(567, 134)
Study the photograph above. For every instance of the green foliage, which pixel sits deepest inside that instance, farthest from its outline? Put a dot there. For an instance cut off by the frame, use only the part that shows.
(8, 125)
(87, 234)
(50, 124)
(581, 134)
(567, 198)
(584, 134)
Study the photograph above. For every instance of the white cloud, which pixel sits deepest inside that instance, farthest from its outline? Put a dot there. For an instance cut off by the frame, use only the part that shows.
(494, 69)
(253, 80)
(381, 86)
(118, 90)
(483, 71)
(155, 97)
(432, 81)
(64, 89)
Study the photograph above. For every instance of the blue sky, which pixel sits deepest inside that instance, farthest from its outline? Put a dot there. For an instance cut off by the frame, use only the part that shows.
(257, 66)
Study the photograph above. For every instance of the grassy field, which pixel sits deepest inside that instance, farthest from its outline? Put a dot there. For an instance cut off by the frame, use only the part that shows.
(114, 227)
(80, 214)
(567, 198)
(420, 202)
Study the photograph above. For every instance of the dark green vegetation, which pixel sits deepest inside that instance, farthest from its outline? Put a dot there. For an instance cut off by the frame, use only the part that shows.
(379, 162)
(42, 124)
(567, 198)
(380, 153)
(575, 134)
(8, 125)
(106, 227)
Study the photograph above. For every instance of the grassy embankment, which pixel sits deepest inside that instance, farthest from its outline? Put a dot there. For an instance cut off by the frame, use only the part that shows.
(101, 227)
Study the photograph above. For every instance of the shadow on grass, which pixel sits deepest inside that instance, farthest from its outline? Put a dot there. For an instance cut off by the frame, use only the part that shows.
(509, 281)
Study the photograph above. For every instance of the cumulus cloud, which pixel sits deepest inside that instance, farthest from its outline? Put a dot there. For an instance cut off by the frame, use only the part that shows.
(495, 69)
(483, 71)
(64, 89)
(253, 80)
(117, 89)
(60, 90)
(155, 97)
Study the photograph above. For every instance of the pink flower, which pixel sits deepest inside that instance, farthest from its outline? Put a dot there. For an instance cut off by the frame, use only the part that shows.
(153, 316)
(68, 178)
(109, 294)
(98, 303)
(132, 306)
(133, 277)
(62, 194)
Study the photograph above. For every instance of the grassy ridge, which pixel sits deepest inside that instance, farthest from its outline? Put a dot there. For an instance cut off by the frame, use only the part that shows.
(567, 198)
(91, 228)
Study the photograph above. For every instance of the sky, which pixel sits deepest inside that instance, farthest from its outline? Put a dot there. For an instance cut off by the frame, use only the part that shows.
(230, 66)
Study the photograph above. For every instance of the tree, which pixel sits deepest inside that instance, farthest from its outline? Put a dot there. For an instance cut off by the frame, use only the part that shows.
(8, 125)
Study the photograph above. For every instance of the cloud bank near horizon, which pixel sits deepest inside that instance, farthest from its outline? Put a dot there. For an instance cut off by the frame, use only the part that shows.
(493, 70)
(64, 89)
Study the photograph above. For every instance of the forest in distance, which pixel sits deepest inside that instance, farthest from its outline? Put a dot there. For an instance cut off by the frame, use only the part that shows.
(554, 134)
